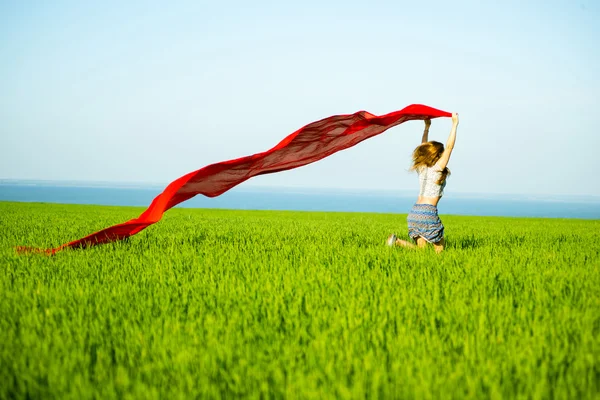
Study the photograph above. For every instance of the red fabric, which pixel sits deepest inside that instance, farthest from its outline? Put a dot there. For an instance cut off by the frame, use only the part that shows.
(307, 145)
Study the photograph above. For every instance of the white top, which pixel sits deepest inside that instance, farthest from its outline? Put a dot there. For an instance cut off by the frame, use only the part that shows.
(428, 178)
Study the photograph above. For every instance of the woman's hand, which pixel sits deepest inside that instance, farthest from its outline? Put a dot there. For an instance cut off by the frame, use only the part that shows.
(455, 118)
(426, 131)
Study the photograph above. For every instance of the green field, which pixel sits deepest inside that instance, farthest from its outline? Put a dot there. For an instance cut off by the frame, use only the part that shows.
(266, 304)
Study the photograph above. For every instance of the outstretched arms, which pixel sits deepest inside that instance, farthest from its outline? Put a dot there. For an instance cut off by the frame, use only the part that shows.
(443, 161)
(426, 131)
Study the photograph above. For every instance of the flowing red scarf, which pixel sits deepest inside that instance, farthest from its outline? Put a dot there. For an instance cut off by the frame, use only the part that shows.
(308, 144)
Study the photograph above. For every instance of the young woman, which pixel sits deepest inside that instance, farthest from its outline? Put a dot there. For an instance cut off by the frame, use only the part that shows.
(430, 160)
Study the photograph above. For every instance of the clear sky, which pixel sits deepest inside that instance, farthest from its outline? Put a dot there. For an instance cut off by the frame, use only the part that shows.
(140, 91)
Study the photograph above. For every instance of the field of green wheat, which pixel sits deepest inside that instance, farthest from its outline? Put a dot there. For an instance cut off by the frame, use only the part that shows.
(269, 304)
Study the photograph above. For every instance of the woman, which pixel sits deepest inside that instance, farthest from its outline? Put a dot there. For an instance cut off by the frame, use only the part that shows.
(430, 160)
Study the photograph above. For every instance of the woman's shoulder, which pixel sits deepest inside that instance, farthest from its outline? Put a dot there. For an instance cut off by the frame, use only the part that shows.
(436, 167)
(424, 169)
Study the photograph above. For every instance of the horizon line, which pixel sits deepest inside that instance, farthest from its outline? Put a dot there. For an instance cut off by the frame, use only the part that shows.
(155, 185)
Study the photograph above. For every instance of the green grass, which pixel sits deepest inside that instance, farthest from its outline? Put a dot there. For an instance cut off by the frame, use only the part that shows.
(260, 304)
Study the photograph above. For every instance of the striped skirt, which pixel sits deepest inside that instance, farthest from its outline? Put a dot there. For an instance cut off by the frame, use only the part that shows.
(423, 221)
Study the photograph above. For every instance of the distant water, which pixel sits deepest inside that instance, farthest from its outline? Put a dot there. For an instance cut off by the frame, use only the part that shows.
(250, 198)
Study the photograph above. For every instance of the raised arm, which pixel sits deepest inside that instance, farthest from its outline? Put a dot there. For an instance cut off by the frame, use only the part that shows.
(443, 161)
(426, 131)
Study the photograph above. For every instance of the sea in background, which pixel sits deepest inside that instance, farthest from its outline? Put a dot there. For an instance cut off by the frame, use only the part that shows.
(263, 198)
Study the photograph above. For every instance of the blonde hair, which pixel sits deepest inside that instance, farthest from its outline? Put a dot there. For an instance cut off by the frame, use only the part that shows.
(427, 154)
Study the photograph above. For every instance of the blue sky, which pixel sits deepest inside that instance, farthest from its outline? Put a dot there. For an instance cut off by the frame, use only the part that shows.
(148, 91)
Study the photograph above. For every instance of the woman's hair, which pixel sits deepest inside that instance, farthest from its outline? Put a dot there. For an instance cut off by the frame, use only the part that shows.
(427, 154)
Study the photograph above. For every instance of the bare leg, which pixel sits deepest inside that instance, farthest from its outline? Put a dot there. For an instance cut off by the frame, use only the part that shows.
(404, 243)
(421, 243)
(439, 246)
